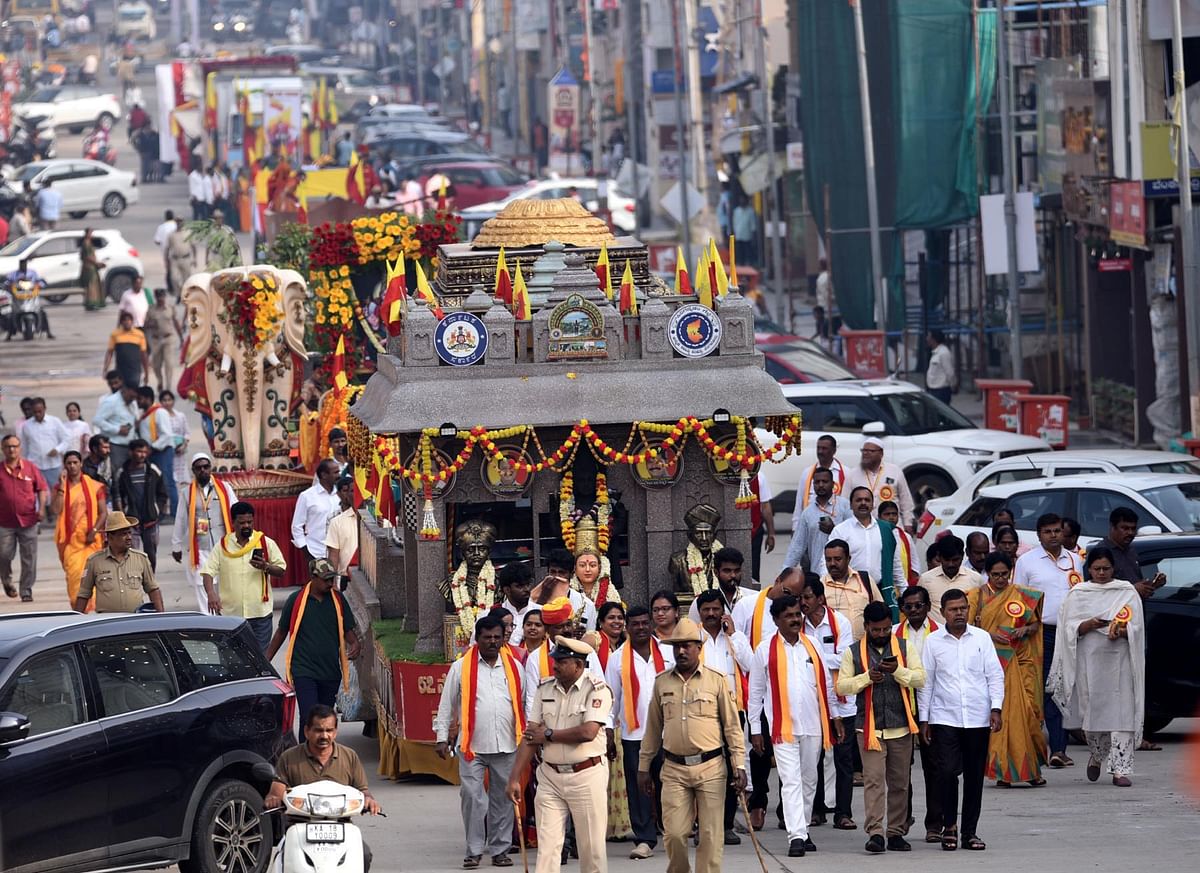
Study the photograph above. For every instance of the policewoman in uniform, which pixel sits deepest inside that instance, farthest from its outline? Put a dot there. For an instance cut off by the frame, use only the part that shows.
(566, 721)
(694, 719)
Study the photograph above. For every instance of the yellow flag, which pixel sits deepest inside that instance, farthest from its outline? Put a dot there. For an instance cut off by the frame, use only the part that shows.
(722, 280)
(704, 288)
(629, 304)
(733, 280)
(522, 306)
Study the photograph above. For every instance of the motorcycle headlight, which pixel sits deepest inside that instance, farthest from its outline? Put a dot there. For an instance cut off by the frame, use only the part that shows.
(239, 26)
(328, 805)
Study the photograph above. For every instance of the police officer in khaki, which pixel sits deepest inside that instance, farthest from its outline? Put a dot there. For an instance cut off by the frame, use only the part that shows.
(566, 721)
(694, 718)
(119, 573)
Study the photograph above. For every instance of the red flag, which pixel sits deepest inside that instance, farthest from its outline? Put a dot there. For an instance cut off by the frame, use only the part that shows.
(628, 301)
(385, 500)
(503, 291)
(683, 282)
(303, 201)
(604, 272)
(395, 297)
(356, 181)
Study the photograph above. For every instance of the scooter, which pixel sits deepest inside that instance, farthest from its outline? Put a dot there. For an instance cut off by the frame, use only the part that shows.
(6, 311)
(26, 317)
(324, 840)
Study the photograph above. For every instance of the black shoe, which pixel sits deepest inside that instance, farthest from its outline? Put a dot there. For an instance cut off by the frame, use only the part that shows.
(809, 845)
(564, 856)
(796, 849)
(875, 845)
(897, 843)
(731, 838)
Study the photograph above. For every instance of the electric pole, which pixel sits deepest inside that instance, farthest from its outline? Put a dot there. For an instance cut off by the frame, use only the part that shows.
(1183, 166)
(864, 97)
(1010, 197)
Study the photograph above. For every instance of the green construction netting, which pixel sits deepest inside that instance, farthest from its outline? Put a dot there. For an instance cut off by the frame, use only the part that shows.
(921, 65)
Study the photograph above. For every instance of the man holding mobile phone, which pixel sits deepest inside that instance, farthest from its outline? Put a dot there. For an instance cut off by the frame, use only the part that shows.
(244, 563)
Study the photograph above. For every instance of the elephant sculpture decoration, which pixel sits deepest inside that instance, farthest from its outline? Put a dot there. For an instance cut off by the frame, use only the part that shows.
(246, 356)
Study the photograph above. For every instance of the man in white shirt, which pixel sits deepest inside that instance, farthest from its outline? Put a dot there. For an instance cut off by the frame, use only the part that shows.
(644, 656)
(727, 651)
(116, 419)
(492, 745)
(133, 300)
(798, 737)
(43, 441)
(914, 628)
(959, 706)
(826, 459)
(832, 634)
(200, 523)
(314, 509)
(195, 180)
(515, 579)
(341, 539)
(874, 550)
(163, 232)
(939, 375)
(728, 562)
(886, 481)
(811, 528)
(1054, 571)
(951, 573)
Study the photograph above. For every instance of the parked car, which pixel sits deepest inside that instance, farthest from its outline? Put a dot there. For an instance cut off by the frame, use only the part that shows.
(935, 445)
(417, 143)
(348, 82)
(74, 107)
(1164, 502)
(1045, 464)
(620, 206)
(801, 360)
(476, 181)
(303, 54)
(85, 186)
(127, 742)
(135, 21)
(1172, 626)
(54, 255)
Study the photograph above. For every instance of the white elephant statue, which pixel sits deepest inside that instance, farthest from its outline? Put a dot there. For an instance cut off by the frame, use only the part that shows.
(246, 353)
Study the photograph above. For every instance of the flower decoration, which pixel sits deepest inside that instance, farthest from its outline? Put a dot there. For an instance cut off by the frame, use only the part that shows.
(253, 307)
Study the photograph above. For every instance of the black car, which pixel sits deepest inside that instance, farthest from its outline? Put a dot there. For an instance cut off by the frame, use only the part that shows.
(1172, 627)
(127, 741)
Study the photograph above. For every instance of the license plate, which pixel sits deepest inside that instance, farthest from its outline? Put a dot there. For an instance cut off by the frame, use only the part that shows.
(333, 832)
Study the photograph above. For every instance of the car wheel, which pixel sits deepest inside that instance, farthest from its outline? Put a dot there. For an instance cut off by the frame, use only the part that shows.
(231, 835)
(114, 205)
(105, 120)
(1155, 723)
(926, 485)
(78, 214)
(57, 298)
(117, 284)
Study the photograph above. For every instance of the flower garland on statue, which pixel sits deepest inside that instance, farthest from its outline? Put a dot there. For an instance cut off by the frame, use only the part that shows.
(699, 568)
(568, 516)
(254, 307)
(470, 605)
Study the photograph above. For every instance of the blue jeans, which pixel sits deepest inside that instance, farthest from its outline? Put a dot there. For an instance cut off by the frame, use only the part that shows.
(262, 631)
(641, 808)
(1057, 735)
(310, 692)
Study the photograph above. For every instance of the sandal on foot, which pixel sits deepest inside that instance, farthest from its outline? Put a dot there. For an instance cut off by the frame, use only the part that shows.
(1122, 781)
(844, 823)
(1148, 746)
(933, 836)
(949, 839)
(1093, 771)
(974, 844)
(470, 862)
(1037, 783)
(501, 861)
(1058, 761)
(1000, 783)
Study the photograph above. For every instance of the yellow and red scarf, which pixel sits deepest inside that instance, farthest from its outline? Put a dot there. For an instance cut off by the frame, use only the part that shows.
(149, 413)
(470, 691)
(93, 492)
(544, 661)
(869, 737)
(777, 672)
(904, 631)
(294, 626)
(839, 479)
(222, 501)
(756, 620)
(630, 686)
(253, 543)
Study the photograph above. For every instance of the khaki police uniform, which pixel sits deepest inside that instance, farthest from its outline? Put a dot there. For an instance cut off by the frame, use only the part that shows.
(119, 583)
(695, 721)
(573, 777)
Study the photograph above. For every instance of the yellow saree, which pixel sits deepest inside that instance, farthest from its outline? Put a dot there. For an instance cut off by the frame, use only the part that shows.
(1017, 752)
(83, 510)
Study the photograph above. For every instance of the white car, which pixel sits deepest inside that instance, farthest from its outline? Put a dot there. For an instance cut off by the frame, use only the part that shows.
(621, 207)
(86, 186)
(135, 21)
(936, 446)
(1164, 502)
(72, 106)
(54, 256)
(943, 510)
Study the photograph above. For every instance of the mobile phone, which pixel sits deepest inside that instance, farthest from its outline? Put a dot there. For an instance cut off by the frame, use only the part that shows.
(890, 659)
(259, 554)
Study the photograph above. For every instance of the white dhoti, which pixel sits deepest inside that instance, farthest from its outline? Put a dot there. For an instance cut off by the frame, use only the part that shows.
(192, 574)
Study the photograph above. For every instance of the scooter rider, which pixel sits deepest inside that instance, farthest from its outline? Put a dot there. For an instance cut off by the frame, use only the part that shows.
(23, 273)
(317, 758)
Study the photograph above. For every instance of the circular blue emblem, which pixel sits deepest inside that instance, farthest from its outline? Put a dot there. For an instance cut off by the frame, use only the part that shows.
(460, 339)
(694, 330)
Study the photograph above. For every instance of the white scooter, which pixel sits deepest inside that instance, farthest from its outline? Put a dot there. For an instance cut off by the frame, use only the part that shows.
(321, 838)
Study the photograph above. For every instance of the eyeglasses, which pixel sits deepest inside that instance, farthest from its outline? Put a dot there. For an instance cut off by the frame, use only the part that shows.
(663, 609)
(912, 605)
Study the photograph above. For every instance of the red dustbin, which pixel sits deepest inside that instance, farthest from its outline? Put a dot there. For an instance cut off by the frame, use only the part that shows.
(866, 353)
(1044, 416)
(1000, 402)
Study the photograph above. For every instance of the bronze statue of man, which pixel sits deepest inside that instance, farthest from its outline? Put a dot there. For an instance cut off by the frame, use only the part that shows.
(692, 570)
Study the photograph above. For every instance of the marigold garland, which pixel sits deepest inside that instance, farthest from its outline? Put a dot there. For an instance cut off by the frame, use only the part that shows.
(254, 307)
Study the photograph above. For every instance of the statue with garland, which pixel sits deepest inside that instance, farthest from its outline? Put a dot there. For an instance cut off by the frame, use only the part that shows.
(471, 589)
(692, 569)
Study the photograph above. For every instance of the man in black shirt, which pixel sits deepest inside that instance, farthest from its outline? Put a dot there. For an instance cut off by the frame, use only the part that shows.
(97, 464)
(1122, 528)
(141, 492)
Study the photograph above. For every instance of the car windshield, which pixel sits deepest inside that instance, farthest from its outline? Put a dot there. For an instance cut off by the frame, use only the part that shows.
(501, 177)
(468, 146)
(18, 245)
(27, 172)
(814, 364)
(1180, 503)
(45, 95)
(917, 412)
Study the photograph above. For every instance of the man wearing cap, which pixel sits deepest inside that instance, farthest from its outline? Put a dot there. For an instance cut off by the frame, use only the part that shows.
(118, 574)
(323, 639)
(314, 508)
(201, 522)
(560, 620)
(566, 720)
(885, 481)
(693, 718)
(245, 562)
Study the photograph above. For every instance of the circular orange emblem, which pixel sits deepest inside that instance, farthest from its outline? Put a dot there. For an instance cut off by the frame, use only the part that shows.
(1124, 614)
(1014, 609)
(837, 487)
(886, 492)
(1073, 578)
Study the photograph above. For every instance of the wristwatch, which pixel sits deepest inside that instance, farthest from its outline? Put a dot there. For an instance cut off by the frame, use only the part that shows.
(549, 735)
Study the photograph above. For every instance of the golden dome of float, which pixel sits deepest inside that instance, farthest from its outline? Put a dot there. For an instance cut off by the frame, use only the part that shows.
(536, 222)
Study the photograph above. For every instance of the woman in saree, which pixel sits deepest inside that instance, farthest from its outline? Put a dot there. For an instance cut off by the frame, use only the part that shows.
(1098, 674)
(79, 505)
(610, 622)
(1012, 615)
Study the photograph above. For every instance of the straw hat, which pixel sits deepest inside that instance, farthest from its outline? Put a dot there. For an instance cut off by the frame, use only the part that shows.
(118, 521)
